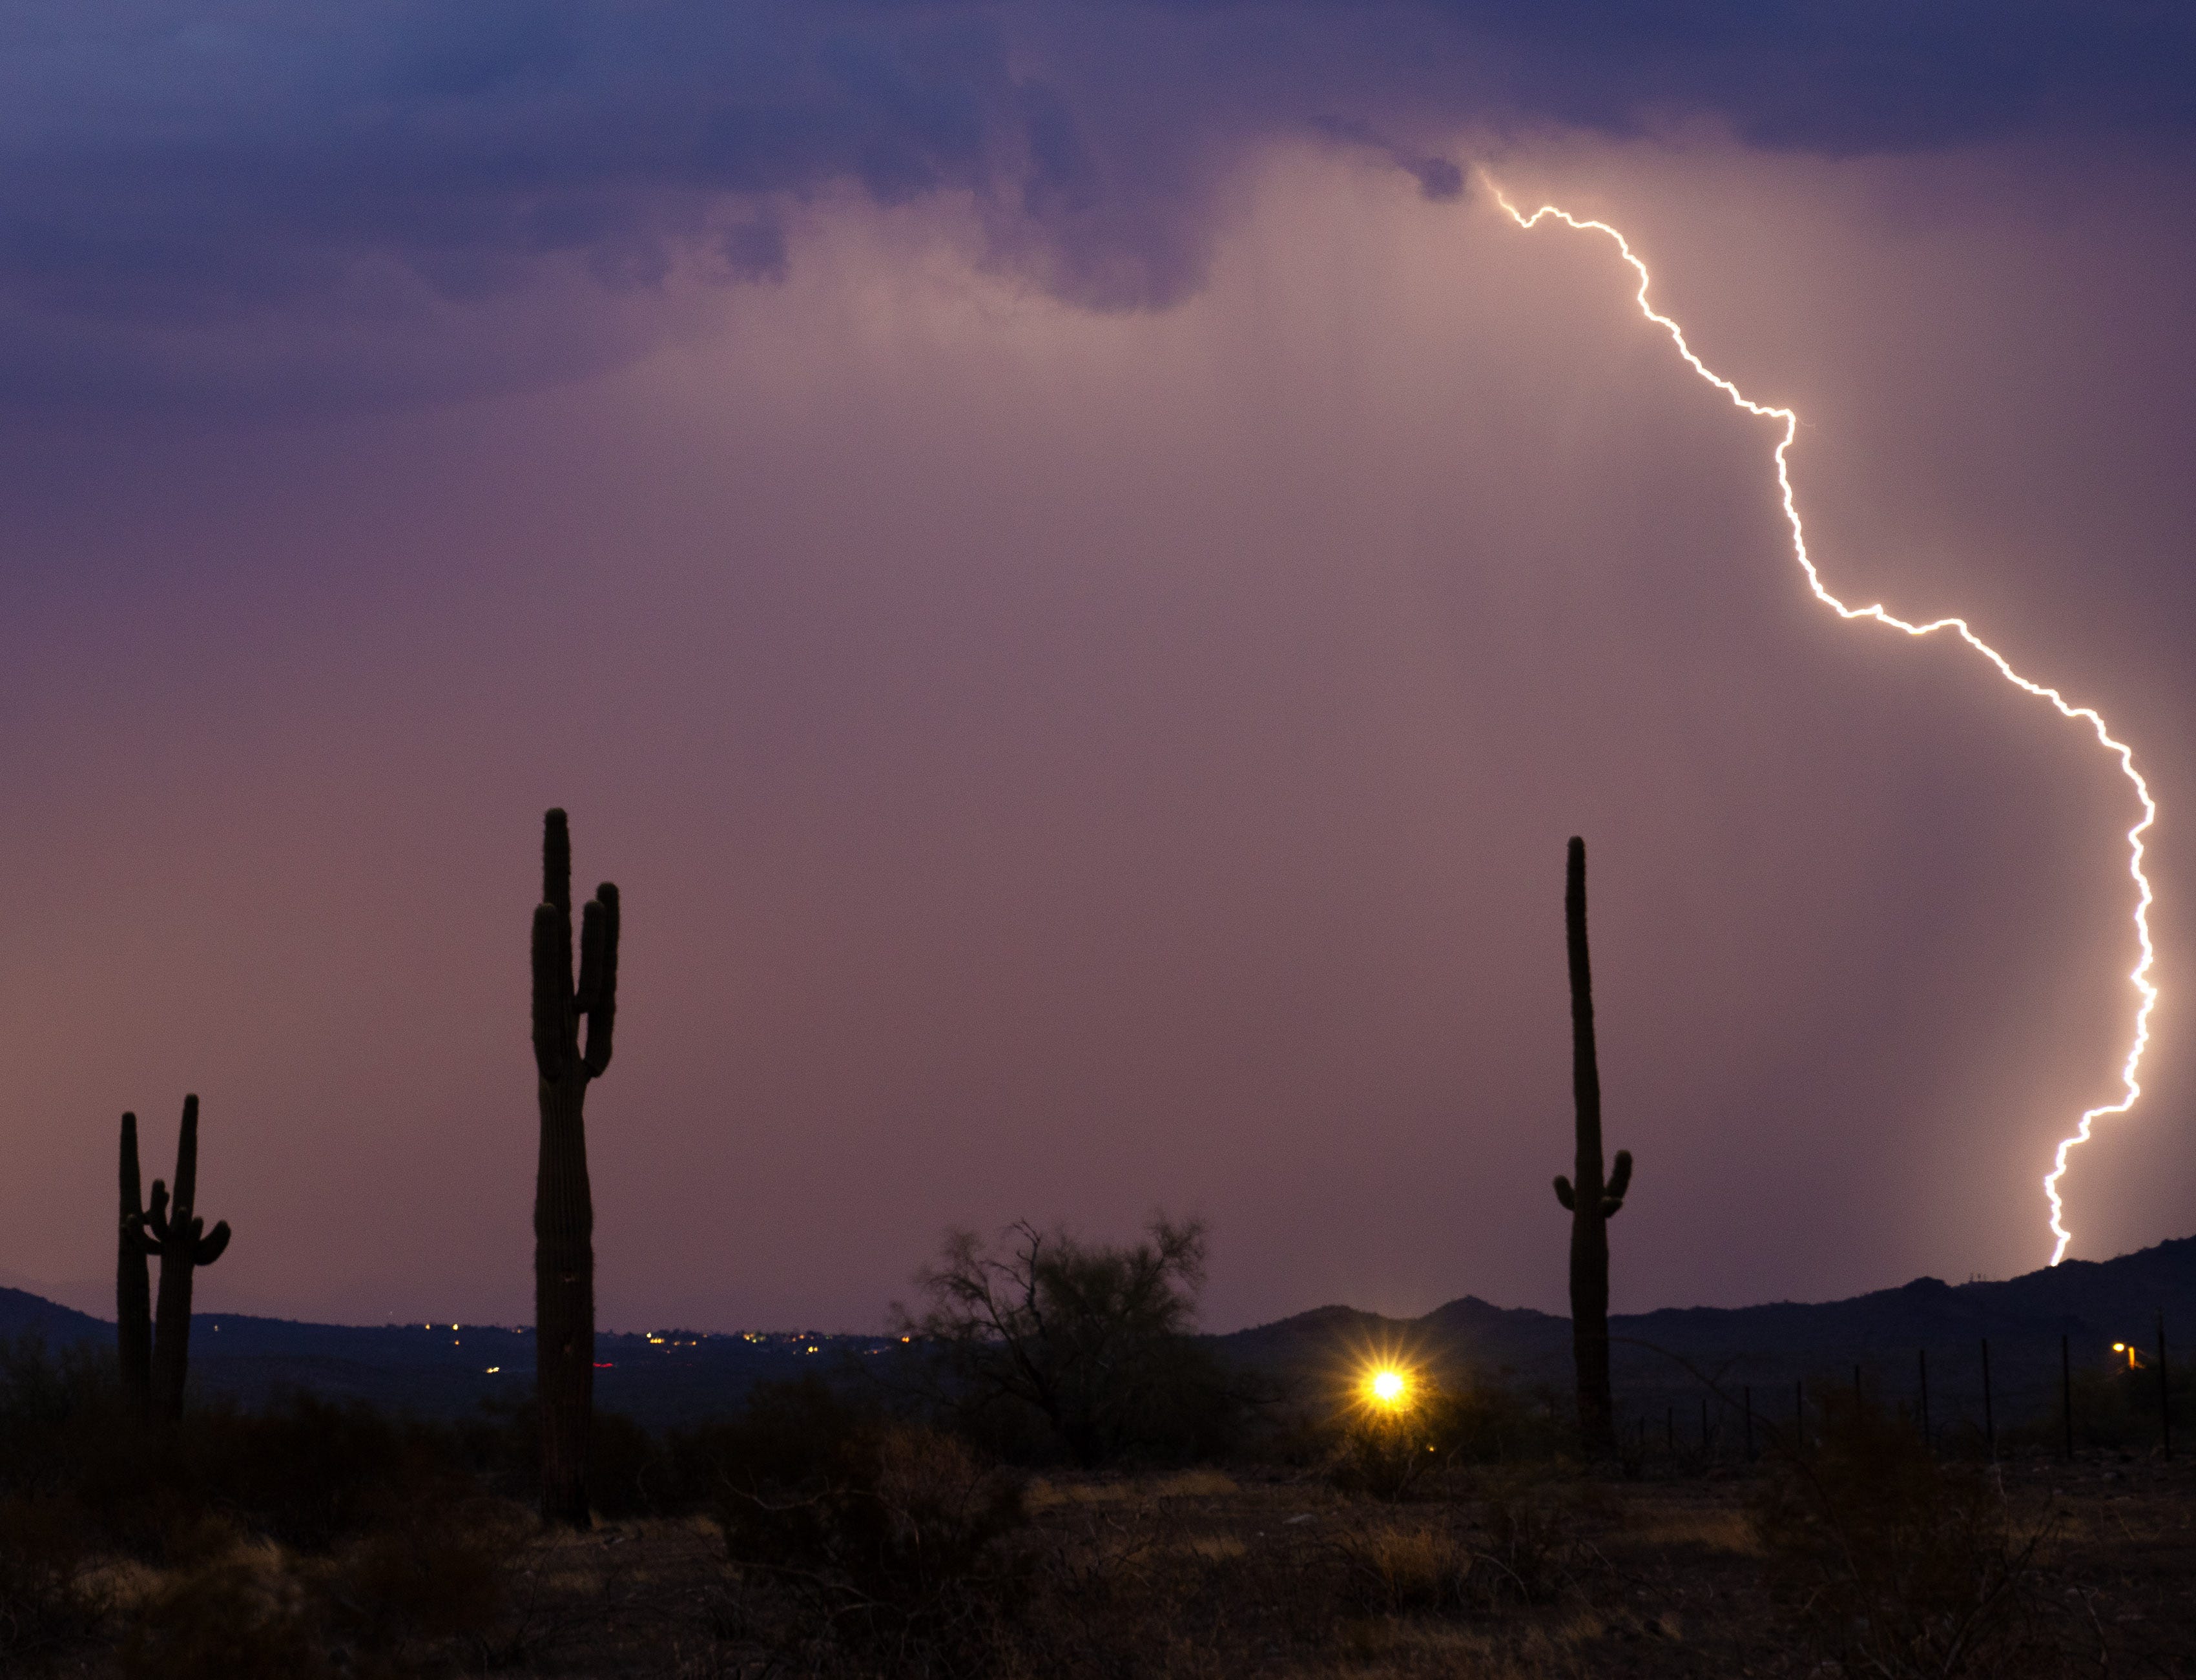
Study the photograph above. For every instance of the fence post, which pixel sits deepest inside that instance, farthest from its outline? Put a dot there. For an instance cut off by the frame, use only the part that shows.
(2164, 1389)
(2066, 1394)
(1989, 1419)
(1924, 1354)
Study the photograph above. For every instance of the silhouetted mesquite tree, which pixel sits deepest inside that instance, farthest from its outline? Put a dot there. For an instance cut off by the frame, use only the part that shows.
(133, 1286)
(174, 1231)
(563, 1211)
(1592, 1200)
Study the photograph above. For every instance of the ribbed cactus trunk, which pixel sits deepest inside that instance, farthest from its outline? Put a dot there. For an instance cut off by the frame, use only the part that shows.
(133, 1285)
(173, 1230)
(1592, 1199)
(564, 1208)
(564, 1304)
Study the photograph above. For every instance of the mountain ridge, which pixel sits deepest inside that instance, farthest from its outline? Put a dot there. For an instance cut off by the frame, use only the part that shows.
(1658, 1356)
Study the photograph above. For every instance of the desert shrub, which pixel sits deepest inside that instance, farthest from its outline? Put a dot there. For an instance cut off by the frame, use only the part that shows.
(305, 1473)
(1891, 1562)
(45, 1551)
(403, 1597)
(1395, 1571)
(63, 1424)
(66, 1434)
(627, 1474)
(1043, 1346)
(419, 1579)
(1369, 1449)
(882, 1541)
(1490, 1422)
(2115, 1407)
(309, 1472)
(1526, 1547)
(785, 1434)
(1384, 1453)
(242, 1616)
(623, 1465)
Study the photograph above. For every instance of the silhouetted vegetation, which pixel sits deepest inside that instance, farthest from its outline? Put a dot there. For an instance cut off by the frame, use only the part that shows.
(1592, 1200)
(564, 1208)
(840, 1526)
(133, 1287)
(2118, 1407)
(180, 1238)
(1386, 1453)
(1048, 1346)
(1895, 1562)
(868, 1538)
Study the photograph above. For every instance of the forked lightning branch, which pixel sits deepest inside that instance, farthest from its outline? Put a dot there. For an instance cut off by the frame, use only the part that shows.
(2147, 993)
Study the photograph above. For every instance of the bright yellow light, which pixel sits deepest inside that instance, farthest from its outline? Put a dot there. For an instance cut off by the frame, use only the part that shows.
(1388, 1387)
(2140, 978)
(2119, 1347)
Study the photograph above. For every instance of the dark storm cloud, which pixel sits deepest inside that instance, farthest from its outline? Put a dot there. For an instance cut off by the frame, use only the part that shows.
(1862, 76)
(339, 195)
(1440, 179)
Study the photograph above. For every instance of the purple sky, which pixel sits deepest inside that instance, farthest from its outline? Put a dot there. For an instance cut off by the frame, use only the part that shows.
(1078, 589)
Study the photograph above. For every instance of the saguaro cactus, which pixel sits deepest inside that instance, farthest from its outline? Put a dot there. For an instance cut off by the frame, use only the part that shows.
(133, 1286)
(173, 1231)
(563, 1210)
(1592, 1200)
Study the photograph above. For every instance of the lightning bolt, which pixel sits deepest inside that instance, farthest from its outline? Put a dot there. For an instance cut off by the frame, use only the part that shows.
(2131, 1089)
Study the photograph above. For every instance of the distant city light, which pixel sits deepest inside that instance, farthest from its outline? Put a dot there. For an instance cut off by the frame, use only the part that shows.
(1388, 1386)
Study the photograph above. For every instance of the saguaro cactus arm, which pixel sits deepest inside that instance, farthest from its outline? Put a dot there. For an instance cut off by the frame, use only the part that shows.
(557, 860)
(1563, 1191)
(153, 1223)
(131, 1186)
(186, 1162)
(598, 994)
(1620, 1180)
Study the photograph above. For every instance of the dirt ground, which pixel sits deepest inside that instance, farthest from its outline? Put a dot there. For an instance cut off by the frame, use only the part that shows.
(1510, 1575)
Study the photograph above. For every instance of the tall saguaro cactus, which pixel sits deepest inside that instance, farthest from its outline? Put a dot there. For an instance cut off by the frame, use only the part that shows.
(173, 1230)
(133, 1286)
(563, 1210)
(1592, 1199)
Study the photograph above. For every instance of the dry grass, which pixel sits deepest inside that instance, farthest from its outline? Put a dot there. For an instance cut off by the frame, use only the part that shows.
(1204, 1576)
(1708, 1528)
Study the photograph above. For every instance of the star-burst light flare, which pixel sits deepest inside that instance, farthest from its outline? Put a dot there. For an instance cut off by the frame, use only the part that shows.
(1788, 419)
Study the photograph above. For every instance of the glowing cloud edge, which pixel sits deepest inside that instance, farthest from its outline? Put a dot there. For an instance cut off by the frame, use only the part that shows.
(2139, 977)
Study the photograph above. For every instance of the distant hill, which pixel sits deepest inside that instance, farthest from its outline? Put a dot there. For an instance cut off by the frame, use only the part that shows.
(22, 1313)
(1660, 1359)
(450, 1371)
(1767, 1349)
